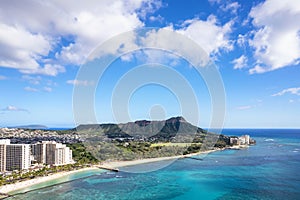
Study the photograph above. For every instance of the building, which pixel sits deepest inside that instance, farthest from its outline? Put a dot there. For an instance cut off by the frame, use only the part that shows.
(242, 140)
(2, 157)
(3, 144)
(38, 151)
(52, 153)
(234, 141)
(245, 139)
(17, 157)
(63, 155)
(14, 156)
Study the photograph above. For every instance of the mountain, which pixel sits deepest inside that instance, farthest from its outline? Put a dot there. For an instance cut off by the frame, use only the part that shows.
(147, 139)
(32, 126)
(173, 129)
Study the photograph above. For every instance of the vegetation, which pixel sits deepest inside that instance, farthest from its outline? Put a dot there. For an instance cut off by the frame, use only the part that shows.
(146, 139)
(80, 155)
(130, 141)
(115, 151)
(17, 176)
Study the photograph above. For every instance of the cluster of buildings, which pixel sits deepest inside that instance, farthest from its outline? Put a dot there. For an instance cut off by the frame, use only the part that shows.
(30, 136)
(242, 140)
(23, 156)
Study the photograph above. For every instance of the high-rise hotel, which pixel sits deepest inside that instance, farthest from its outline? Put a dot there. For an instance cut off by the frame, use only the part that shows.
(52, 153)
(19, 156)
(14, 156)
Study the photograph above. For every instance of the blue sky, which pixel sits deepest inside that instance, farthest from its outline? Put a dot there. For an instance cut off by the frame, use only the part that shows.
(255, 46)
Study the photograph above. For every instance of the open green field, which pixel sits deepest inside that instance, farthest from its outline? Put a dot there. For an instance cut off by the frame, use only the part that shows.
(167, 144)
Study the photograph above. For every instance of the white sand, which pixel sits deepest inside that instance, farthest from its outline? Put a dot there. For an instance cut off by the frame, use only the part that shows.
(27, 183)
(116, 164)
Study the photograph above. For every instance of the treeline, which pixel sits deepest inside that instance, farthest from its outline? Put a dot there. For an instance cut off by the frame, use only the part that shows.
(81, 155)
(108, 151)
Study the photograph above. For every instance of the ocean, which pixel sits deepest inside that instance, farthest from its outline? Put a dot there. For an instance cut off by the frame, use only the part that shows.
(268, 170)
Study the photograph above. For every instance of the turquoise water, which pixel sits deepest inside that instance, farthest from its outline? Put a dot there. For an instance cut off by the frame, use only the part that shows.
(67, 178)
(269, 170)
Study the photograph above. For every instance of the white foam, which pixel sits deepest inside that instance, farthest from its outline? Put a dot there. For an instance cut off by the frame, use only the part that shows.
(269, 140)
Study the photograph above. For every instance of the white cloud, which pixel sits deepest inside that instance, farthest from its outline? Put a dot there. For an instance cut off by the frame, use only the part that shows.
(147, 7)
(295, 91)
(214, 1)
(30, 30)
(257, 70)
(240, 62)
(226, 5)
(80, 82)
(48, 69)
(158, 18)
(167, 51)
(35, 80)
(242, 40)
(31, 89)
(14, 109)
(276, 40)
(51, 83)
(232, 7)
(211, 36)
(47, 89)
(244, 107)
(208, 34)
(21, 49)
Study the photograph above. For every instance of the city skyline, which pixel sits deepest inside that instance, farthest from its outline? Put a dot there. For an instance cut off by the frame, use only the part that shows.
(255, 45)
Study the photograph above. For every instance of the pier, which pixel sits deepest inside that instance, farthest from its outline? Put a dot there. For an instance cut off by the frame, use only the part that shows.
(108, 168)
(194, 158)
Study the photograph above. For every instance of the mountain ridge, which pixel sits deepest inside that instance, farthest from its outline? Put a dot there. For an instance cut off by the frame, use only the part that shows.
(158, 130)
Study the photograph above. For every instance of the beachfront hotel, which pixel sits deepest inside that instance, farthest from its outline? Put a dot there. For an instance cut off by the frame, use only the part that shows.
(17, 157)
(51, 153)
(20, 156)
(3, 144)
(14, 156)
(242, 140)
(38, 152)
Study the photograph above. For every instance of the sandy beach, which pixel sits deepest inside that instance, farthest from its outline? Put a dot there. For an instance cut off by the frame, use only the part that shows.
(23, 184)
(114, 164)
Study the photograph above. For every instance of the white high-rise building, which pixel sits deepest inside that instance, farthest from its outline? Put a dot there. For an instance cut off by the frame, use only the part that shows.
(38, 151)
(3, 144)
(63, 155)
(247, 139)
(17, 157)
(14, 156)
(2, 157)
(52, 153)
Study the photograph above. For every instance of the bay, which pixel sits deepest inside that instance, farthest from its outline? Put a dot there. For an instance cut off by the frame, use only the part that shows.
(268, 170)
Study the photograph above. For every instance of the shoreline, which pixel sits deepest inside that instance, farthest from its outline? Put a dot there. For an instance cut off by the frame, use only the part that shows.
(7, 189)
(116, 164)
(10, 188)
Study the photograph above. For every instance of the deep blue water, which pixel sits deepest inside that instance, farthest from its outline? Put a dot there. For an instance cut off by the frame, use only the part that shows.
(268, 170)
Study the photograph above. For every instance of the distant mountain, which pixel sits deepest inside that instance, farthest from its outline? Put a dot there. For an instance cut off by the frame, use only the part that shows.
(175, 128)
(33, 126)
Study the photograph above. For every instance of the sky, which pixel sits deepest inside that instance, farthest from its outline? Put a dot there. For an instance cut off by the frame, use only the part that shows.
(45, 46)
